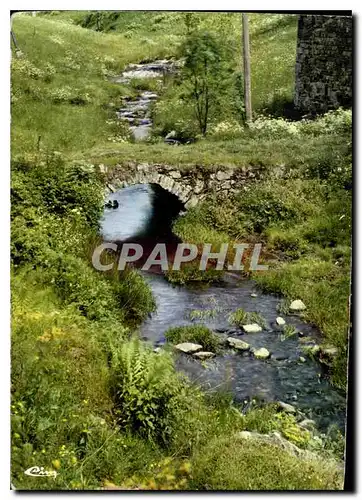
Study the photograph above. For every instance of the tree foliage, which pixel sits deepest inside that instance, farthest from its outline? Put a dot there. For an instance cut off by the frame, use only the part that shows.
(206, 72)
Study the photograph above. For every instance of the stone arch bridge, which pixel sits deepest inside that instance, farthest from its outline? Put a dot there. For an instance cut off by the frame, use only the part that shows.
(189, 184)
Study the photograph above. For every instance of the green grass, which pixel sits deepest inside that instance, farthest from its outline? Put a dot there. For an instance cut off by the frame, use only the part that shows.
(62, 57)
(198, 334)
(241, 317)
(81, 391)
(78, 61)
(233, 153)
(272, 41)
(229, 464)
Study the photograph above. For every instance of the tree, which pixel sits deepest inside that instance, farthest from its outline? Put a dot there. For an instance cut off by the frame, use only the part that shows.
(206, 72)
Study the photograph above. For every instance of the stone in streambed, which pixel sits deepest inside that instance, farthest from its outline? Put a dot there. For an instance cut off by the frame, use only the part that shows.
(254, 295)
(204, 355)
(188, 347)
(280, 321)
(297, 305)
(238, 344)
(252, 328)
(261, 353)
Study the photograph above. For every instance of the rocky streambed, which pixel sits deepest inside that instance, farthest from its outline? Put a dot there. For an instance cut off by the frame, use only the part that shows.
(137, 111)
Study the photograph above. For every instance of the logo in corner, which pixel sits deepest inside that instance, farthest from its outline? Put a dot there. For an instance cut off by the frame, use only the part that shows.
(36, 471)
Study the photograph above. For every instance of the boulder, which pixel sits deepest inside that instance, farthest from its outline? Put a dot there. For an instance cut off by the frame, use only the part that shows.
(280, 321)
(261, 353)
(254, 295)
(307, 424)
(238, 344)
(204, 355)
(188, 347)
(302, 359)
(297, 305)
(286, 407)
(252, 328)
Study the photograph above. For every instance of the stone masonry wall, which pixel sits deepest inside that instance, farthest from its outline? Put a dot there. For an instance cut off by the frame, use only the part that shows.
(190, 185)
(324, 63)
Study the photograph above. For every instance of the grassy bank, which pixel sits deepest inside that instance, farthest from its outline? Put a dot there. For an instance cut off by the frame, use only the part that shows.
(304, 220)
(89, 401)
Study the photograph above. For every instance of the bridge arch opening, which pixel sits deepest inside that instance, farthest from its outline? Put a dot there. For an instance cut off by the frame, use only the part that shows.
(142, 214)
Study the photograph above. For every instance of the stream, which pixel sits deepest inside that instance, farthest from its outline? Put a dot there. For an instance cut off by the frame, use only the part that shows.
(282, 377)
(144, 215)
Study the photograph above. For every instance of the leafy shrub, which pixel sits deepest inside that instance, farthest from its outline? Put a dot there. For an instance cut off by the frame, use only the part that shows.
(274, 127)
(174, 113)
(146, 390)
(27, 69)
(47, 181)
(206, 73)
(225, 130)
(196, 333)
(338, 121)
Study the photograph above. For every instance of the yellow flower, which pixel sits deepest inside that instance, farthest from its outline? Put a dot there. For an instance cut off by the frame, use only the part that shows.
(185, 468)
(56, 463)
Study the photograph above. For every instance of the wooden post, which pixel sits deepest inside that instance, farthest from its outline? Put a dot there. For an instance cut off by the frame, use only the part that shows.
(246, 56)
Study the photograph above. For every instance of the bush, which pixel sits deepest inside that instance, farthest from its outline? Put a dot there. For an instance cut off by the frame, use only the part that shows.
(146, 391)
(174, 113)
(196, 333)
(45, 180)
(206, 73)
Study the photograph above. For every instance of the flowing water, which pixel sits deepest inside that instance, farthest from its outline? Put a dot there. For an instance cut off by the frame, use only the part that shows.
(144, 214)
(136, 111)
